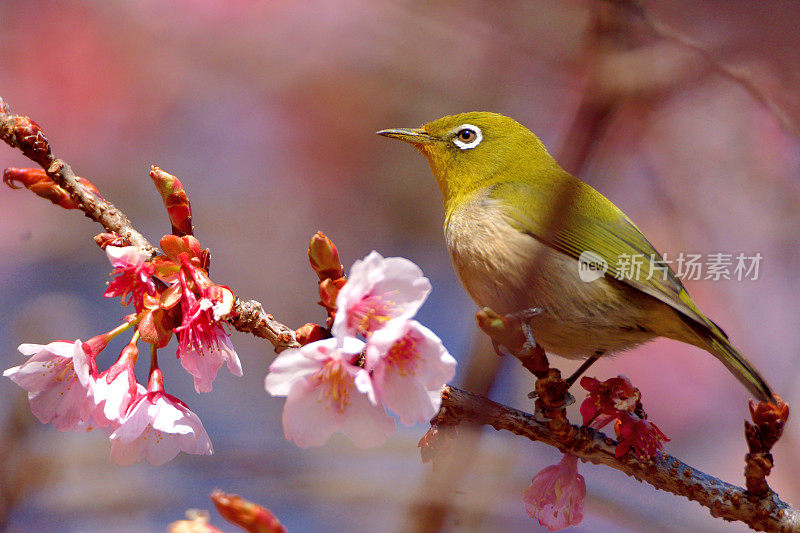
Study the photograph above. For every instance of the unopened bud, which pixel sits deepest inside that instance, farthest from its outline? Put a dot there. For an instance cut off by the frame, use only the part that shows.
(310, 333)
(328, 291)
(248, 515)
(110, 239)
(175, 200)
(502, 330)
(324, 258)
(31, 140)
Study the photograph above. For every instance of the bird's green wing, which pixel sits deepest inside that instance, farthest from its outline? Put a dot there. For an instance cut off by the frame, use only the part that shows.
(574, 218)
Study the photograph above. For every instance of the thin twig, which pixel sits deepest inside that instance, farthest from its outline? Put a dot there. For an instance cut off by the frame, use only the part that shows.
(21, 132)
(741, 76)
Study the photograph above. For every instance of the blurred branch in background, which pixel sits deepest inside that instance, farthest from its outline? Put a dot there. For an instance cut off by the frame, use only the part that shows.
(741, 76)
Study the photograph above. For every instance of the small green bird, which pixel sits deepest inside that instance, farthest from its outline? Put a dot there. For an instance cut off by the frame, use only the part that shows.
(524, 233)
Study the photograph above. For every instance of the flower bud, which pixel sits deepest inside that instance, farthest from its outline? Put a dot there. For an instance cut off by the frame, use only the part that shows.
(175, 200)
(310, 333)
(111, 239)
(324, 258)
(38, 182)
(248, 515)
(328, 291)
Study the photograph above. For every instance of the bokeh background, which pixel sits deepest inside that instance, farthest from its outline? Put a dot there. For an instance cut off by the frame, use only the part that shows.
(267, 111)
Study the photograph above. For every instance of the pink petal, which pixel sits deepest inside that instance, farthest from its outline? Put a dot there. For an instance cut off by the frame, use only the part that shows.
(203, 367)
(395, 279)
(127, 453)
(367, 425)
(134, 423)
(44, 369)
(289, 367)
(307, 420)
(125, 256)
(407, 398)
(112, 399)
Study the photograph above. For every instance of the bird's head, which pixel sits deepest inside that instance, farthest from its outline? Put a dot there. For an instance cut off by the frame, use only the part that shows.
(474, 150)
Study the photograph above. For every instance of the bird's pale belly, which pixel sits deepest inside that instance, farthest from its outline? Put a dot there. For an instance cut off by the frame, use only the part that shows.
(508, 271)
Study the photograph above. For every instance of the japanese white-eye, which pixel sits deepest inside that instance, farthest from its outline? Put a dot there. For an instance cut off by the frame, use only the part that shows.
(518, 227)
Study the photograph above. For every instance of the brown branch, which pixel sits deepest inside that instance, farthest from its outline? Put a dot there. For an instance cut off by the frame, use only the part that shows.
(21, 132)
(458, 407)
(664, 472)
(249, 317)
(738, 75)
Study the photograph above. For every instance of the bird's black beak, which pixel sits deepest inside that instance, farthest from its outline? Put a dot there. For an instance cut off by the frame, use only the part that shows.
(416, 136)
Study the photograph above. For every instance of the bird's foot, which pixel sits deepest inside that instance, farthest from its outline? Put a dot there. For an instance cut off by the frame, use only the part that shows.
(570, 381)
(524, 318)
(569, 399)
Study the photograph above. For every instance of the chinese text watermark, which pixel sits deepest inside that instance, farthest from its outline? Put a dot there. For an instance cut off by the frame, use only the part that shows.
(686, 266)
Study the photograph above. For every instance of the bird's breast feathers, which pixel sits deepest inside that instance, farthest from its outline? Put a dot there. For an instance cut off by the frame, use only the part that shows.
(508, 270)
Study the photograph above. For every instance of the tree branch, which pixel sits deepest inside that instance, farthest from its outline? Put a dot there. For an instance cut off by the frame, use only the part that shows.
(23, 133)
(663, 472)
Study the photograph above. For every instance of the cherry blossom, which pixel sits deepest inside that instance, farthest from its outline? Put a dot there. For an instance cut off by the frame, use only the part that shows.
(156, 427)
(111, 390)
(642, 435)
(555, 496)
(409, 366)
(617, 399)
(55, 392)
(203, 344)
(133, 275)
(325, 392)
(608, 399)
(378, 290)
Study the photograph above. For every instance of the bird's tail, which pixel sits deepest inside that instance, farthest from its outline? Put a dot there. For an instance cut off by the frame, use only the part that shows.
(714, 340)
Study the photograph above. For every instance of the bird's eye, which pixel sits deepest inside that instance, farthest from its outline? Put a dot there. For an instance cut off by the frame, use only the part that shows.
(467, 136)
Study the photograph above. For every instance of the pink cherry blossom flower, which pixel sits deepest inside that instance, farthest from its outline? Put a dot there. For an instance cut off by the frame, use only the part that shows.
(325, 392)
(203, 345)
(608, 400)
(642, 435)
(111, 390)
(556, 495)
(133, 275)
(378, 290)
(55, 392)
(156, 427)
(409, 366)
(204, 366)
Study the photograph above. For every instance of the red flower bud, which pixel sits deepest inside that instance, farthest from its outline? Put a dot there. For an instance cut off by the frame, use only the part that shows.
(38, 182)
(310, 333)
(324, 258)
(28, 137)
(110, 239)
(175, 200)
(248, 515)
(328, 291)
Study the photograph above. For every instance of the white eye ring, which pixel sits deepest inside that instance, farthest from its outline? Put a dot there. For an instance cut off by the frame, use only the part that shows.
(468, 141)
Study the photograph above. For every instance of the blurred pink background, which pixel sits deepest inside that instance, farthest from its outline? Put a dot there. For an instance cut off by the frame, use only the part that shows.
(267, 112)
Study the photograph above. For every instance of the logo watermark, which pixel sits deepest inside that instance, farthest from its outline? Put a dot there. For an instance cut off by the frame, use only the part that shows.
(591, 266)
(692, 267)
